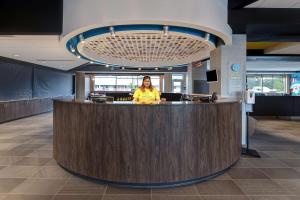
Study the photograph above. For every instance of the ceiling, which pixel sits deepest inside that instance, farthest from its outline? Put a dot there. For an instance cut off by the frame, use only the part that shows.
(30, 31)
(147, 49)
(273, 32)
(280, 48)
(261, 45)
(275, 4)
(265, 20)
(43, 50)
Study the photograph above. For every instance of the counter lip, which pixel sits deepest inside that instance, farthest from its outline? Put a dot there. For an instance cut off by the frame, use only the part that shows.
(127, 103)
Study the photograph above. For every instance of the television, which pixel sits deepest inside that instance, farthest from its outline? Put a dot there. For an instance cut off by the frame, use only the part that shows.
(295, 84)
(211, 76)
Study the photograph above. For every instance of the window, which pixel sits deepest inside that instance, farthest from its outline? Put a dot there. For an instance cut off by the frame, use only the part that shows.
(267, 84)
(105, 83)
(122, 83)
(177, 83)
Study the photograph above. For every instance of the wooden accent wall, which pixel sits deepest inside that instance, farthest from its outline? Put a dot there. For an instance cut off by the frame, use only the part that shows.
(12, 110)
(18, 109)
(146, 143)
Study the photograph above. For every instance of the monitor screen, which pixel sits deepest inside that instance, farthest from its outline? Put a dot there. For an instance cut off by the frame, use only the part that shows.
(295, 84)
(211, 76)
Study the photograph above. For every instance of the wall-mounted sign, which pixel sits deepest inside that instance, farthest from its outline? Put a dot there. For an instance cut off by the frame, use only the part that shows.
(235, 67)
(235, 79)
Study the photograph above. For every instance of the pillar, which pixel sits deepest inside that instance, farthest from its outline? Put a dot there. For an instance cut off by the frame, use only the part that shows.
(231, 80)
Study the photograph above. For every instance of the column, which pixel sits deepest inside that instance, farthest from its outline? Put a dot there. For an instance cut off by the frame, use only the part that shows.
(167, 82)
(230, 63)
(80, 86)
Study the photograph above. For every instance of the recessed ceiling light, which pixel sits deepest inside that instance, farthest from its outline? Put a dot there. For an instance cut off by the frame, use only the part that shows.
(78, 56)
(140, 69)
(112, 31)
(107, 65)
(166, 30)
(207, 36)
(156, 68)
(122, 68)
(91, 62)
(72, 48)
(81, 38)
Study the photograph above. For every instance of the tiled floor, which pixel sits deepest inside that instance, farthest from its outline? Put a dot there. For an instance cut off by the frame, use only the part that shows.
(28, 172)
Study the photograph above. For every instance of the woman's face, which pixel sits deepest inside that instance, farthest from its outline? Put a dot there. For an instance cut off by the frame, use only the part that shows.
(147, 83)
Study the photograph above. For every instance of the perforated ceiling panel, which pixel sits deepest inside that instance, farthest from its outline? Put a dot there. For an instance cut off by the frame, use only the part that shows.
(145, 49)
(143, 45)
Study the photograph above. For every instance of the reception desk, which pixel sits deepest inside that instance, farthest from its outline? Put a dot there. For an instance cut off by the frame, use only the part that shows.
(161, 145)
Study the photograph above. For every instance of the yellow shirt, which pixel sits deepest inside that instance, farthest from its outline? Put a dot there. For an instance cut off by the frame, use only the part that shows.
(147, 96)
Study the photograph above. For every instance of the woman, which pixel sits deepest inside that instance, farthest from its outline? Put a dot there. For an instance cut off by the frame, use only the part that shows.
(146, 93)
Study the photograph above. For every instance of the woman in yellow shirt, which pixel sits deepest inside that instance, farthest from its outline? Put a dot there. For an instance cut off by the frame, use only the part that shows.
(146, 93)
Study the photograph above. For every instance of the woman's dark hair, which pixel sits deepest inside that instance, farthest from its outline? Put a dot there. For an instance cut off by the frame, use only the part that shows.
(143, 86)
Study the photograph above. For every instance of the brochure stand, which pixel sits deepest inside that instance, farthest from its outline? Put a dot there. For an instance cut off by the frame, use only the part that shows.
(250, 100)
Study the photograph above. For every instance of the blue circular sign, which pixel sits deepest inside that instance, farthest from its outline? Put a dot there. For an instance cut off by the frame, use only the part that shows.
(235, 67)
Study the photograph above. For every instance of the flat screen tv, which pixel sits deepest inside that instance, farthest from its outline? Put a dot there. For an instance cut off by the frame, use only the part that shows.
(211, 76)
(295, 85)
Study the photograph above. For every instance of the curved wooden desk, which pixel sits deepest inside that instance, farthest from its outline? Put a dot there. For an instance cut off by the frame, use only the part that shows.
(147, 145)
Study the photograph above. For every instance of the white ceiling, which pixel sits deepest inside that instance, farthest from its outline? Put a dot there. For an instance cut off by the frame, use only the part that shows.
(275, 4)
(273, 66)
(42, 49)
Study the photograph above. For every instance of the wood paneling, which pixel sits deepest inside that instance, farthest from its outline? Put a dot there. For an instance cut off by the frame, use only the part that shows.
(147, 143)
(12, 110)
(18, 109)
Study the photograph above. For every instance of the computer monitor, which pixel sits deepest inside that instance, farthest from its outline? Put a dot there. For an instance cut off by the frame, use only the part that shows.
(211, 76)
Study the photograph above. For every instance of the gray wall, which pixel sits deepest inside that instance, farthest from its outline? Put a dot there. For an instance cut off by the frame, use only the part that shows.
(27, 89)
(200, 85)
(21, 80)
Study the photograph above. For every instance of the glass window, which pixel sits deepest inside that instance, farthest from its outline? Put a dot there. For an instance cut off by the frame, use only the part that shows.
(177, 83)
(267, 84)
(122, 83)
(279, 84)
(254, 83)
(177, 77)
(105, 83)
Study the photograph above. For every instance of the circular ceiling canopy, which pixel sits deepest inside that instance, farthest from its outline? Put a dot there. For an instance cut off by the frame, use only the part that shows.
(143, 45)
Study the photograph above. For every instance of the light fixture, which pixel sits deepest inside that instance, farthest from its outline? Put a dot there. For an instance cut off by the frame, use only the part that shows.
(140, 69)
(112, 31)
(120, 42)
(122, 68)
(156, 68)
(78, 56)
(16, 55)
(107, 65)
(72, 48)
(166, 30)
(170, 68)
(207, 37)
(81, 38)
(91, 62)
